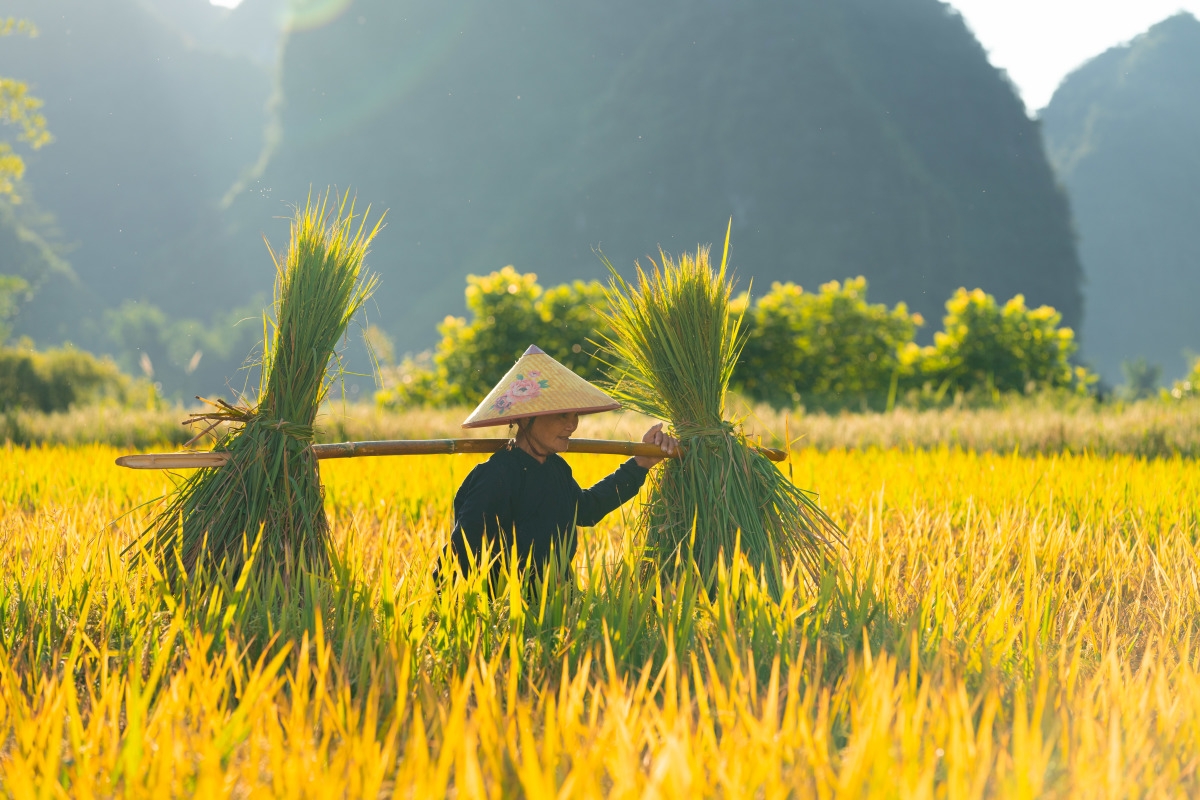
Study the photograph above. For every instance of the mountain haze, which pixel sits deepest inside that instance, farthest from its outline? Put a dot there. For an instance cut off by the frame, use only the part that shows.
(859, 137)
(1122, 131)
(149, 136)
(252, 29)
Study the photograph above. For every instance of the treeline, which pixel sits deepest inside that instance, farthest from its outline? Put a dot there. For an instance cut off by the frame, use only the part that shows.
(64, 378)
(920, 168)
(830, 349)
(827, 350)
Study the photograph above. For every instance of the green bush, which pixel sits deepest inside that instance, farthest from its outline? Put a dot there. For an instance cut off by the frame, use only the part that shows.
(830, 349)
(183, 356)
(997, 349)
(1142, 379)
(57, 380)
(826, 350)
(509, 312)
(1190, 385)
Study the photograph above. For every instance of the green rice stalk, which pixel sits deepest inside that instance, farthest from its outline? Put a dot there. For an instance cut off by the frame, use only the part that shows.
(271, 483)
(671, 354)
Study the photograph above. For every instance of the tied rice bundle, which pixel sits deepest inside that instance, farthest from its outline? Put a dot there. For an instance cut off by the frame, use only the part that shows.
(271, 483)
(671, 354)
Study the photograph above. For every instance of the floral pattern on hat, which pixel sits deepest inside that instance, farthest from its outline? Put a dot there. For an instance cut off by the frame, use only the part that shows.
(534, 386)
(523, 389)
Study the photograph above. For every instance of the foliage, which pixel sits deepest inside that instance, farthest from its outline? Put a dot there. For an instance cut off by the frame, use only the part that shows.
(509, 311)
(830, 349)
(26, 254)
(891, 186)
(982, 642)
(271, 486)
(380, 346)
(834, 350)
(11, 287)
(154, 143)
(58, 379)
(1189, 386)
(180, 354)
(999, 349)
(919, 197)
(572, 325)
(1141, 379)
(672, 352)
(19, 108)
(32, 245)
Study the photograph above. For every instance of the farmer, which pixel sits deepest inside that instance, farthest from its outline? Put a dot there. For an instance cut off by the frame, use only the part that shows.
(525, 494)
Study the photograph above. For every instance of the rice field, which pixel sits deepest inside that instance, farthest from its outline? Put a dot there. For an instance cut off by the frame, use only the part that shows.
(1003, 626)
(1151, 428)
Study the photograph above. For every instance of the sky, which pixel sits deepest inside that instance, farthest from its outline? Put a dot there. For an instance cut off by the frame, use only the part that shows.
(1038, 42)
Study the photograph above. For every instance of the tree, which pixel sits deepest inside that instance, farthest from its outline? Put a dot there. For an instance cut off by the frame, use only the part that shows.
(56, 380)
(184, 355)
(1009, 348)
(1141, 379)
(828, 349)
(510, 311)
(1189, 386)
(18, 108)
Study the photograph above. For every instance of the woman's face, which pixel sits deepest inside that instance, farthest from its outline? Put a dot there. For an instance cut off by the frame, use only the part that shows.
(551, 433)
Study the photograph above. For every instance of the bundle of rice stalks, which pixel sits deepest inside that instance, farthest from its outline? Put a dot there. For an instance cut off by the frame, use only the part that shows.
(271, 482)
(671, 355)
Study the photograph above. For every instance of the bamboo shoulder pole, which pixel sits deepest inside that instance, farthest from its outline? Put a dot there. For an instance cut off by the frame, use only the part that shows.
(405, 447)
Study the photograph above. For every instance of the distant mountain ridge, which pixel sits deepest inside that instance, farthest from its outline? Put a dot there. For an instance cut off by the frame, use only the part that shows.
(1122, 132)
(150, 134)
(862, 137)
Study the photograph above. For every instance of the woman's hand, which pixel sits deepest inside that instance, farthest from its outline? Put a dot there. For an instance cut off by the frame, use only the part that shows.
(669, 445)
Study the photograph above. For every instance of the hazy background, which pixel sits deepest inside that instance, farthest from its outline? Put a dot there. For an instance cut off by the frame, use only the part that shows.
(872, 137)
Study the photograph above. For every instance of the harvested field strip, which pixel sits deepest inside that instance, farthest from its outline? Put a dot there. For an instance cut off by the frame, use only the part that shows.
(1153, 429)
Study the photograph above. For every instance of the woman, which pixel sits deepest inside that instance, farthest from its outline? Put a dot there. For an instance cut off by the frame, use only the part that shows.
(525, 495)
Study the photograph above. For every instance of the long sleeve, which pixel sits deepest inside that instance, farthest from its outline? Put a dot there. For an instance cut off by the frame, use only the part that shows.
(607, 495)
(514, 500)
(482, 509)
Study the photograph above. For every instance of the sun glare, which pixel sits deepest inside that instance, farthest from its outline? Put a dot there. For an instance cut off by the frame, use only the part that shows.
(226, 3)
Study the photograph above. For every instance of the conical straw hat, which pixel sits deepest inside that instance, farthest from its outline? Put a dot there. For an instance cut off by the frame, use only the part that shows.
(537, 385)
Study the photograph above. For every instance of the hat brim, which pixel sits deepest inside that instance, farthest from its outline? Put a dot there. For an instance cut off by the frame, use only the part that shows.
(510, 418)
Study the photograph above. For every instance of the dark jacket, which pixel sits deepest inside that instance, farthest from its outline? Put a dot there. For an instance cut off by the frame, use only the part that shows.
(512, 497)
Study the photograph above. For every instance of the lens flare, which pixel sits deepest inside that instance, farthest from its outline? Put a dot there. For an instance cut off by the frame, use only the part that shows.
(303, 15)
(409, 68)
